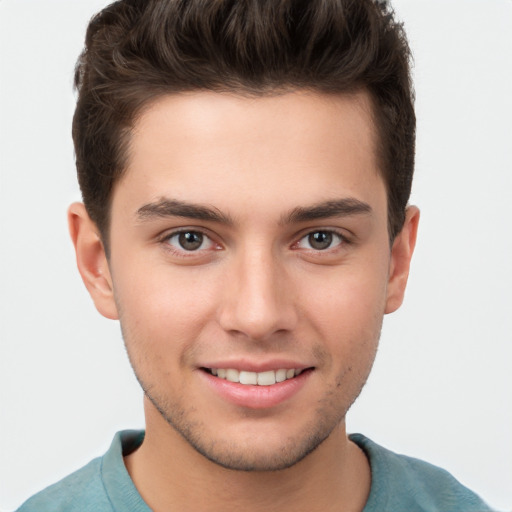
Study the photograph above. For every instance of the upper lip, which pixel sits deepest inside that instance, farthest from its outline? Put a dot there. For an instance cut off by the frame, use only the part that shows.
(256, 366)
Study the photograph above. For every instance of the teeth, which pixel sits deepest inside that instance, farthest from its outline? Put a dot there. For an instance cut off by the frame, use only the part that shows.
(232, 375)
(280, 375)
(266, 378)
(261, 379)
(248, 377)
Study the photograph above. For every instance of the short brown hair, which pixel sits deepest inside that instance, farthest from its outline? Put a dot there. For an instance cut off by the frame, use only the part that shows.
(138, 50)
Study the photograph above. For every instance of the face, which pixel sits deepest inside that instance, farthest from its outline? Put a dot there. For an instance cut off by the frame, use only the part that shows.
(250, 266)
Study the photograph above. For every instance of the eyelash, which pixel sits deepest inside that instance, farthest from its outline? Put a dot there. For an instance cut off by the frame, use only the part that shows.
(184, 253)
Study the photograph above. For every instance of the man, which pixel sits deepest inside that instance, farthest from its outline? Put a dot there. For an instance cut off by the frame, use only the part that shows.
(245, 170)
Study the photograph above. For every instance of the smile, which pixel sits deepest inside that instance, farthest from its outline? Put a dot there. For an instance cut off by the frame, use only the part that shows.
(255, 389)
(267, 378)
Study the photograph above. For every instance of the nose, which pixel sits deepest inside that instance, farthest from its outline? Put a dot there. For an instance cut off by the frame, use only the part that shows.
(258, 299)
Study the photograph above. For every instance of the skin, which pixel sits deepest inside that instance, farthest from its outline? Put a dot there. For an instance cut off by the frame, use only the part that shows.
(258, 291)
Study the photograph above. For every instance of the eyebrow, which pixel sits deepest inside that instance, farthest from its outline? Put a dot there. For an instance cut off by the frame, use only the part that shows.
(336, 208)
(175, 208)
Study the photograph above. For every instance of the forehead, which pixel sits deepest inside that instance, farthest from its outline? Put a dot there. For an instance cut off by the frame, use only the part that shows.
(234, 151)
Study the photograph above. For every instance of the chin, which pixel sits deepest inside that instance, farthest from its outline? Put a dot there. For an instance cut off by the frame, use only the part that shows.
(251, 449)
(253, 458)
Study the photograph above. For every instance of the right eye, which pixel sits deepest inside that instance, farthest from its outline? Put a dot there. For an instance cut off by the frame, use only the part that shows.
(189, 241)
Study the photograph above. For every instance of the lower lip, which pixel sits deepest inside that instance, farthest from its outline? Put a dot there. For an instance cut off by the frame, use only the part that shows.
(256, 397)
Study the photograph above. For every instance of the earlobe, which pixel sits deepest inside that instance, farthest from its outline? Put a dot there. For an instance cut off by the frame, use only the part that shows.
(91, 260)
(401, 254)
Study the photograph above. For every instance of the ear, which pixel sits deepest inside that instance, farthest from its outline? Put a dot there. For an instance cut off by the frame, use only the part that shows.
(91, 260)
(401, 254)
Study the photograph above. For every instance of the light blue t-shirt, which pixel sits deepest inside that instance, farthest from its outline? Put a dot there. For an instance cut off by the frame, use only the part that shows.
(399, 484)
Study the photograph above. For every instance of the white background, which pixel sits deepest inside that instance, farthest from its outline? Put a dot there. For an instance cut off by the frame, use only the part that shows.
(442, 384)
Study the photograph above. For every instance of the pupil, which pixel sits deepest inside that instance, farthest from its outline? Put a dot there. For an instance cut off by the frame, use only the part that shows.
(190, 240)
(320, 240)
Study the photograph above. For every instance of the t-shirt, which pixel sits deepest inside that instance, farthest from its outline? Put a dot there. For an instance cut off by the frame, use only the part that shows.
(399, 484)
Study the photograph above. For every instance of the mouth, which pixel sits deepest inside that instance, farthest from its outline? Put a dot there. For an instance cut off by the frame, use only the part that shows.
(266, 378)
(264, 389)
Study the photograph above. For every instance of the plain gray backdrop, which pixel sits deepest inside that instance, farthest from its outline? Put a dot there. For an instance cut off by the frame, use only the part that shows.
(441, 388)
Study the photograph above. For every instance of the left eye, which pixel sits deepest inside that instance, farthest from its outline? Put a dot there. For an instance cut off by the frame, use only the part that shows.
(320, 240)
(190, 241)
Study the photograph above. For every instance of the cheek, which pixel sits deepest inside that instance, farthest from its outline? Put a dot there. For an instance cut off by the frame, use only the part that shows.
(346, 299)
(346, 313)
(160, 307)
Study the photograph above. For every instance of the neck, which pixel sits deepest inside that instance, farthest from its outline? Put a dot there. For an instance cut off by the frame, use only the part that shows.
(169, 473)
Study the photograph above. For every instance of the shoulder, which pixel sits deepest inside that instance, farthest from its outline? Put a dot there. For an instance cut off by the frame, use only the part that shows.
(80, 491)
(103, 485)
(401, 483)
